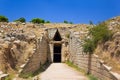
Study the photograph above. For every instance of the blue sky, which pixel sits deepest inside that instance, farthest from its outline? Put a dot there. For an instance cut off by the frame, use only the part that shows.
(77, 11)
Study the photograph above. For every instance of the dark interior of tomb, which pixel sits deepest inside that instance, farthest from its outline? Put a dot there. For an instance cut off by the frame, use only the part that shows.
(57, 48)
(57, 53)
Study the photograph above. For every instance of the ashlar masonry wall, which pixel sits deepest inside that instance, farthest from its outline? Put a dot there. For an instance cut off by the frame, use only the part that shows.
(77, 57)
(40, 56)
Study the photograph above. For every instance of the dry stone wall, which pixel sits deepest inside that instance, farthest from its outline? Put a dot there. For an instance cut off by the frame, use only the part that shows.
(77, 57)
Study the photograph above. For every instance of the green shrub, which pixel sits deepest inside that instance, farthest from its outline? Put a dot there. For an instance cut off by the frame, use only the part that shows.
(47, 22)
(65, 21)
(74, 66)
(71, 22)
(68, 22)
(10, 77)
(26, 75)
(37, 20)
(3, 19)
(91, 77)
(67, 35)
(89, 46)
(98, 34)
(20, 20)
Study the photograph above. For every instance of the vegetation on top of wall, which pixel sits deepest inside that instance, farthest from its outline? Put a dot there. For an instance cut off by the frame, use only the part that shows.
(98, 34)
(37, 20)
(3, 19)
(47, 22)
(22, 19)
(66, 22)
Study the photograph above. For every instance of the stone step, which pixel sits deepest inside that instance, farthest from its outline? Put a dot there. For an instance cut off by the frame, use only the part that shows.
(20, 70)
(2, 75)
(22, 66)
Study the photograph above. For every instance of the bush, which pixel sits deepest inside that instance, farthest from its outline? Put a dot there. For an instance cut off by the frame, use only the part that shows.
(91, 77)
(21, 20)
(89, 46)
(37, 20)
(71, 22)
(3, 19)
(67, 35)
(47, 22)
(65, 21)
(99, 34)
(68, 22)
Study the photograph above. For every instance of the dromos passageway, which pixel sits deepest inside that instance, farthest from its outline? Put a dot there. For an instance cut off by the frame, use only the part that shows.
(61, 71)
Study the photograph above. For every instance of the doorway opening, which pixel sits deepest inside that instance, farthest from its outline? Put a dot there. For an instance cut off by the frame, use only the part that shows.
(57, 53)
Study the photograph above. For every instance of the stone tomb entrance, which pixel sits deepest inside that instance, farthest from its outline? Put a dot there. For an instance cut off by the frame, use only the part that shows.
(57, 53)
(57, 47)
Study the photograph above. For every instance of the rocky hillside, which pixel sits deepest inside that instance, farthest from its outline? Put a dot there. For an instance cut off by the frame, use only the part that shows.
(18, 42)
(109, 52)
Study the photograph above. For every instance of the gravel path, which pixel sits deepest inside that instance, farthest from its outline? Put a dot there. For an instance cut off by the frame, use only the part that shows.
(60, 71)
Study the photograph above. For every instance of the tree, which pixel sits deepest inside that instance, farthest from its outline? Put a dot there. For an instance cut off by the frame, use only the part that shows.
(65, 21)
(89, 48)
(22, 19)
(37, 20)
(71, 22)
(47, 22)
(98, 34)
(3, 19)
(90, 22)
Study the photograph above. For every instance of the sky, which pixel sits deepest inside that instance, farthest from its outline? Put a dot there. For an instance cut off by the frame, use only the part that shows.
(56, 11)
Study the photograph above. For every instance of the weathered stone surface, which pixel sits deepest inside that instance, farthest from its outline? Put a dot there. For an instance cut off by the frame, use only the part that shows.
(80, 59)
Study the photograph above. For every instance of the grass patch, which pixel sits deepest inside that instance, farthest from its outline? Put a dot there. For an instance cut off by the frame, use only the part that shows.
(74, 66)
(90, 77)
(10, 77)
(41, 69)
(27, 75)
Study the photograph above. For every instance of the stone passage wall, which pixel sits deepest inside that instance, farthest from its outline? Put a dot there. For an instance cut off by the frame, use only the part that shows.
(39, 57)
(80, 59)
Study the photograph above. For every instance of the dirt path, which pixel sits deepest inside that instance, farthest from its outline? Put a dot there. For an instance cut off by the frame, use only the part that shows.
(60, 71)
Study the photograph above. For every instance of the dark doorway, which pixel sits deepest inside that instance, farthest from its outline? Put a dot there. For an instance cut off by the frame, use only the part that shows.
(57, 36)
(57, 53)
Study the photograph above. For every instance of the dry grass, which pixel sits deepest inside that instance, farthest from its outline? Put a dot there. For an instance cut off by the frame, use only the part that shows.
(57, 25)
(105, 56)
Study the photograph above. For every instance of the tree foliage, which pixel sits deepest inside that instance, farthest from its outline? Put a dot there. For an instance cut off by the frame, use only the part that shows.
(98, 34)
(22, 19)
(47, 22)
(3, 19)
(37, 20)
(65, 21)
(68, 22)
(89, 46)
